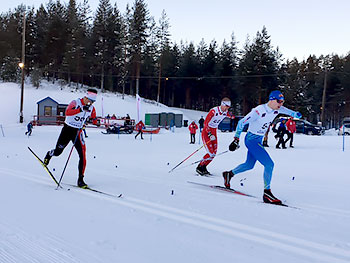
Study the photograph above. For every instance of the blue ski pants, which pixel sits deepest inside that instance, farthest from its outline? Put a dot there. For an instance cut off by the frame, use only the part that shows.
(256, 152)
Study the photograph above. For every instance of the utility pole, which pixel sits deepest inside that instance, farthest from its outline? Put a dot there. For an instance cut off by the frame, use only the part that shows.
(324, 98)
(21, 65)
(102, 85)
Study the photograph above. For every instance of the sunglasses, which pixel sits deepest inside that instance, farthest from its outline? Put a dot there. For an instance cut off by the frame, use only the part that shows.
(280, 101)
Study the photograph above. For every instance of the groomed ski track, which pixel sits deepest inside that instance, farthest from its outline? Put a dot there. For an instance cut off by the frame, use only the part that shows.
(273, 240)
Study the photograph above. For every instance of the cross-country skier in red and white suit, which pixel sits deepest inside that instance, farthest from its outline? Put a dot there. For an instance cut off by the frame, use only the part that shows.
(76, 113)
(211, 123)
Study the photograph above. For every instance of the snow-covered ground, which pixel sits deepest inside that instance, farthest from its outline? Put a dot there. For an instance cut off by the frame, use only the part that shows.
(161, 217)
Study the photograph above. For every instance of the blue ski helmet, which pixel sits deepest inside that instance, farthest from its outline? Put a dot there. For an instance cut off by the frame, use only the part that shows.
(276, 95)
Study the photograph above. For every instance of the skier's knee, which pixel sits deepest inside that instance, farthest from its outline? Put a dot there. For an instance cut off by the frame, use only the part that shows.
(57, 151)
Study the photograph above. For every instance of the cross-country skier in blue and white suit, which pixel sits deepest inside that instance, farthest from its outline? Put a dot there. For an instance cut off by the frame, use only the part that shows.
(259, 120)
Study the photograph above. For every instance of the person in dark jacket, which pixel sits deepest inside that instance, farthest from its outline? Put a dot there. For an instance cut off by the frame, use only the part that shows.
(29, 129)
(281, 131)
(201, 124)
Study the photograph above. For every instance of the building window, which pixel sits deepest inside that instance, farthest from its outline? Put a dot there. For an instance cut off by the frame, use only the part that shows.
(47, 111)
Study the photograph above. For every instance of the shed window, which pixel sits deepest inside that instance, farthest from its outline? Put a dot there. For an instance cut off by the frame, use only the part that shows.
(47, 111)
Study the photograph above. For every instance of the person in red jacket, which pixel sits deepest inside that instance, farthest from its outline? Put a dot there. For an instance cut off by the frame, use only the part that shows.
(76, 114)
(211, 123)
(139, 126)
(291, 128)
(193, 129)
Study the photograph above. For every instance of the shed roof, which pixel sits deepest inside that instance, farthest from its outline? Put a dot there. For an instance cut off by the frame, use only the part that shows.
(47, 98)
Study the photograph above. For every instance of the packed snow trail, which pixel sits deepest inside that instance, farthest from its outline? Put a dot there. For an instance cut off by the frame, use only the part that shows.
(301, 247)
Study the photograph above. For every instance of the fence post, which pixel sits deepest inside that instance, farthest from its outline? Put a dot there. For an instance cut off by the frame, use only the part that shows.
(2, 130)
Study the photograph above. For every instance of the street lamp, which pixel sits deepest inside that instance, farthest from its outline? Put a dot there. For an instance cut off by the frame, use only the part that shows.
(21, 65)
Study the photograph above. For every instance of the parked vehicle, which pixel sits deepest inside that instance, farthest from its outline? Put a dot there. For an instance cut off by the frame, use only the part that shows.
(345, 128)
(226, 125)
(346, 120)
(305, 127)
(229, 125)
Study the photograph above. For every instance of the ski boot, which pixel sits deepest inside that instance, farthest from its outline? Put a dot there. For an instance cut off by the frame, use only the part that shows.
(269, 198)
(81, 182)
(47, 158)
(227, 177)
(202, 170)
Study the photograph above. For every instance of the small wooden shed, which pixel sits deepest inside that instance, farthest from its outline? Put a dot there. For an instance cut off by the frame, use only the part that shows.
(50, 111)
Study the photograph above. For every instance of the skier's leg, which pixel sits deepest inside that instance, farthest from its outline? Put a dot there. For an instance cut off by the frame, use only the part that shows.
(81, 149)
(62, 142)
(247, 165)
(211, 147)
(264, 158)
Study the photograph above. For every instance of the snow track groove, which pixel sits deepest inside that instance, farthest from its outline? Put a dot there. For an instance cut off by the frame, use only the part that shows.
(316, 251)
(17, 245)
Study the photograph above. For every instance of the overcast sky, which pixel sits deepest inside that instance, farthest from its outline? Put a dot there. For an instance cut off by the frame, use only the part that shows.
(298, 27)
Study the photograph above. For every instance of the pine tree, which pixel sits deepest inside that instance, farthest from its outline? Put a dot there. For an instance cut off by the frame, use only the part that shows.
(100, 39)
(189, 72)
(227, 67)
(138, 26)
(11, 30)
(258, 67)
(41, 21)
(163, 35)
(55, 42)
(171, 64)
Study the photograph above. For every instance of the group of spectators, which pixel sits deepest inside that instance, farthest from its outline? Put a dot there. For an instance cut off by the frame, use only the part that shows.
(282, 128)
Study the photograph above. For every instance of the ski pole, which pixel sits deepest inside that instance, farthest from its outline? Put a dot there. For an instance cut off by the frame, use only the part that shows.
(204, 159)
(188, 156)
(71, 150)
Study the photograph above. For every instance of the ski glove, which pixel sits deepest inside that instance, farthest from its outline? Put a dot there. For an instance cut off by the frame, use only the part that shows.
(86, 108)
(211, 136)
(298, 115)
(234, 145)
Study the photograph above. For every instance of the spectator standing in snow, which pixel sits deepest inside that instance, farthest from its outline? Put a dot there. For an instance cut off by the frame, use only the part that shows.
(211, 123)
(29, 129)
(139, 127)
(281, 131)
(291, 129)
(259, 119)
(201, 123)
(76, 113)
(193, 129)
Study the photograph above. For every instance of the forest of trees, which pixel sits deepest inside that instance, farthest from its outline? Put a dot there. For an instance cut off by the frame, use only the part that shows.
(129, 52)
